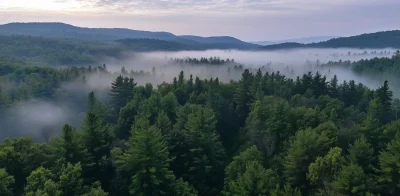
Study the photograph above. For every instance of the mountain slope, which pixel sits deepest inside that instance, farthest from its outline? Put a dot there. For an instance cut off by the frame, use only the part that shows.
(303, 40)
(384, 39)
(56, 51)
(61, 30)
(229, 41)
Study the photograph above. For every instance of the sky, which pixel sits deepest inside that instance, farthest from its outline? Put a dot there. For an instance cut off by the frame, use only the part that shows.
(249, 20)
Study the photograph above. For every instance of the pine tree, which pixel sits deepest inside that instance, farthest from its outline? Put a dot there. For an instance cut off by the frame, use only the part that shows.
(384, 96)
(361, 153)
(238, 166)
(6, 183)
(170, 105)
(206, 157)
(243, 95)
(96, 190)
(163, 123)
(117, 89)
(389, 167)
(254, 181)
(126, 117)
(351, 180)
(323, 169)
(40, 183)
(147, 160)
(95, 140)
(71, 182)
(68, 146)
(305, 147)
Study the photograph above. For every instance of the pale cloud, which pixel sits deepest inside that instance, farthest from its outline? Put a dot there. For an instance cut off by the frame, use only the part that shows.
(245, 19)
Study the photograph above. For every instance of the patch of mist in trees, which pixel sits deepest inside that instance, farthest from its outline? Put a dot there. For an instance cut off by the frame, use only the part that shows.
(40, 120)
(291, 63)
(43, 119)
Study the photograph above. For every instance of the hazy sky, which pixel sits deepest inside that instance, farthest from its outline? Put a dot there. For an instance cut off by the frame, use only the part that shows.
(248, 20)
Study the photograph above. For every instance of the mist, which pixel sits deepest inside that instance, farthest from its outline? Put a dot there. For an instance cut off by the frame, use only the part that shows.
(43, 119)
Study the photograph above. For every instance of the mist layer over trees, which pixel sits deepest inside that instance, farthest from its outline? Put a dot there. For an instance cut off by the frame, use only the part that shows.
(202, 123)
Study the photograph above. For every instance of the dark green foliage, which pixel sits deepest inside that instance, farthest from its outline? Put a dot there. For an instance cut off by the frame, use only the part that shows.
(351, 180)
(384, 39)
(263, 135)
(148, 161)
(305, 147)
(68, 146)
(389, 163)
(206, 154)
(122, 91)
(254, 181)
(56, 51)
(361, 153)
(6, 183)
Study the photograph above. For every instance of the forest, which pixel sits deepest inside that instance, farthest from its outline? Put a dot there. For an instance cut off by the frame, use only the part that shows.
(384, 39)
(56, 51)
(264, 134)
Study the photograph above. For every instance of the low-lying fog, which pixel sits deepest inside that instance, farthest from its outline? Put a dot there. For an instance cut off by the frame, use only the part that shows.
(37, 118)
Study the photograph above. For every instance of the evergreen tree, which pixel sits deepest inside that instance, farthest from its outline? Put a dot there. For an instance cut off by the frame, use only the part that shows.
(243, 96)
(95, 141)
(304, 149)
(68, 146)
(389, 167)
(117, 89)
(254, 181)
(71, 182)
(361, 153)
(206, 157)
(238, 166)
(147, 160)
(40, 183)
(96, 190)
(6, 183)
(384, 96)
(321, 171)
(126, 117)
(351, 180)
(286, 191)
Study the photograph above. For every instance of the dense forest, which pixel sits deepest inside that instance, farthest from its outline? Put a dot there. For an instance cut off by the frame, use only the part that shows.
(265, 134)
(384, 39)
(56, 51)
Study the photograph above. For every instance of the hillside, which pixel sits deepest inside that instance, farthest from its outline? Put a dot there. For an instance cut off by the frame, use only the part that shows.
(53, 51)
(146, 45)
(385, 39)
(61, 30)
(303, 40)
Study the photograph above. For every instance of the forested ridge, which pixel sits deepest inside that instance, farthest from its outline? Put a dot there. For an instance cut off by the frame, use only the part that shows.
(56, 51)
(265, 134)
(383, 39)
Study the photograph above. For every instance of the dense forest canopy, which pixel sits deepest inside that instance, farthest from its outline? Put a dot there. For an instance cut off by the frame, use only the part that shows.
(255, 131)
(61, 30)
(55, 51)
(385, 39)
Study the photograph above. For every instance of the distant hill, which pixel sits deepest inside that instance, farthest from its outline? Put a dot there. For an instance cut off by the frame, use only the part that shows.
(56, 51)
(304, 40)
(61, 30)
(385, 39)
(146, 45)
(222, 41)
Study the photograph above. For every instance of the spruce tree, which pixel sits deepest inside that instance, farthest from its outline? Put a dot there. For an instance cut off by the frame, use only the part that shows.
(207, 155)
(147, 160)
(254, 181)
(6, 183)
(68, 146)
(95, 140)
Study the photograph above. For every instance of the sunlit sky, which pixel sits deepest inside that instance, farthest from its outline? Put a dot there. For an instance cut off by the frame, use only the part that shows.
(250, 20)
